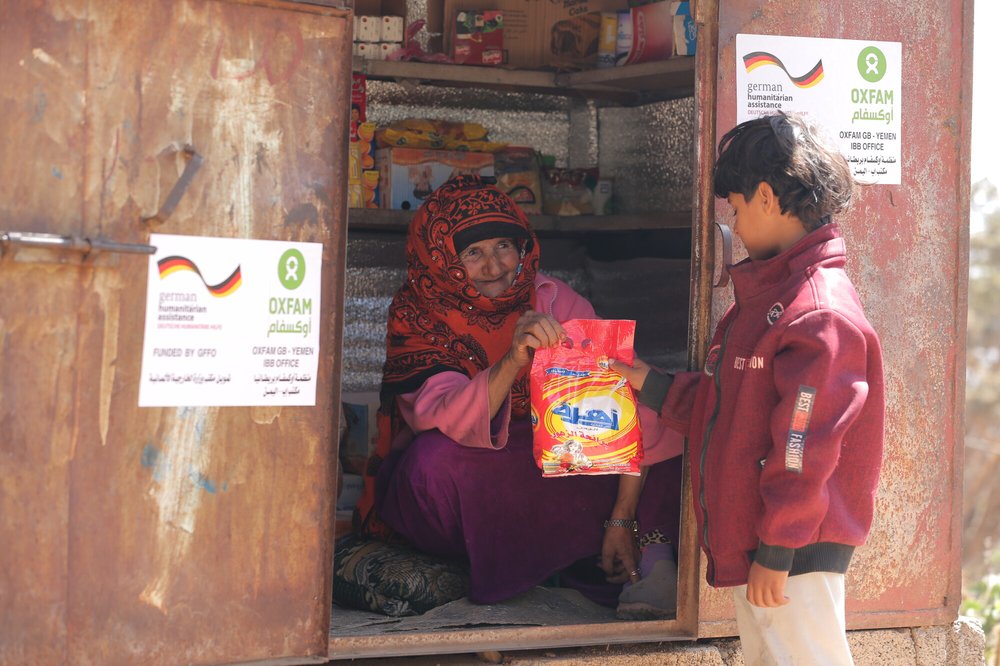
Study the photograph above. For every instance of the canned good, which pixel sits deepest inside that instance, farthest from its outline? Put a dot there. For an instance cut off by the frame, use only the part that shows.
(623, 42)
(608, 39)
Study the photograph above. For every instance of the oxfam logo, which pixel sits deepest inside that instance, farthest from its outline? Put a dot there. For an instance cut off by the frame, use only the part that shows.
(292, 269)
(871, 64)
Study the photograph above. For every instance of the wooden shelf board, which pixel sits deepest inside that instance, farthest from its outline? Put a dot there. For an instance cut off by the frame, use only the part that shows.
(644, 82)
(397, 220)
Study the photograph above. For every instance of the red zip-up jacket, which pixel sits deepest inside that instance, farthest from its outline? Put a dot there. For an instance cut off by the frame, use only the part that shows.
(786, 419)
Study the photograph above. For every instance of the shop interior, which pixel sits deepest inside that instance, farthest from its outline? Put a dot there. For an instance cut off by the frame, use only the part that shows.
(627, 248)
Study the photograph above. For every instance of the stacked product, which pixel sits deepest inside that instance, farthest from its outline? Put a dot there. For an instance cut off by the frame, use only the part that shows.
(377, 37)
(362, 177)
(646, 32)
(416, 156)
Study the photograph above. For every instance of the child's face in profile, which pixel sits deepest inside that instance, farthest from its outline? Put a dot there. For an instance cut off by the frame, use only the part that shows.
(759, 223)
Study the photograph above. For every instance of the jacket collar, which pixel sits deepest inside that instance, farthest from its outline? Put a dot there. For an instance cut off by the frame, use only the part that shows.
(753, 277)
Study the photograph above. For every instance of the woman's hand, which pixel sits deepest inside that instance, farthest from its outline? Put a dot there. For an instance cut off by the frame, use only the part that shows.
(620, 555)
(635, 374)
(534, 330)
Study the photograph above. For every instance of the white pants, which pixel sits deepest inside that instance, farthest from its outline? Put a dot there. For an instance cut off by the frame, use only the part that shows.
(810, 629)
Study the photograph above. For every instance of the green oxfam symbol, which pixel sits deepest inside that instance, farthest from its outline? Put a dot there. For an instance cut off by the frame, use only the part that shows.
(292, 269)
(871, 64)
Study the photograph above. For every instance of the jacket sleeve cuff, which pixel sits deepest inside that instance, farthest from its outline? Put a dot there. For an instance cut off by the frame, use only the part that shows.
(655, 388)
(777, 558)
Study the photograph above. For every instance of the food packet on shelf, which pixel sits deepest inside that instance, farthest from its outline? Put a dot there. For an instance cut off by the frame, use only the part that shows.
(430, 134)
(568, 191)
(584, 416)
(518, 175)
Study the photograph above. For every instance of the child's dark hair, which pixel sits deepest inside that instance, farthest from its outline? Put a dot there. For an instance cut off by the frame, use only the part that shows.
(808, 173)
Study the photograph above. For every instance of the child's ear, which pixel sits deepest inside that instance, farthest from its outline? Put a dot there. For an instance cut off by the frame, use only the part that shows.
(768, 199)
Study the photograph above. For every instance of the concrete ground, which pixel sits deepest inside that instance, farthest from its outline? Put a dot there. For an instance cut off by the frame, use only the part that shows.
(960, 644)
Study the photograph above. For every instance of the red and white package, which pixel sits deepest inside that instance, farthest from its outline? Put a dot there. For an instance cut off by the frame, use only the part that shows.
(584, 416)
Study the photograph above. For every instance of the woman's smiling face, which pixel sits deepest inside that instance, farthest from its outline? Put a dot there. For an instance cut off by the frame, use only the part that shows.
(492, 265)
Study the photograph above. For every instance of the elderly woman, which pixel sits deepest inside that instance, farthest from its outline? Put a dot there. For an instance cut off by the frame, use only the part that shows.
(455, 471)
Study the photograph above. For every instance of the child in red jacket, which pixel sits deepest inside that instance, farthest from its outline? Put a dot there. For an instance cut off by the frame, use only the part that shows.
(785, 421)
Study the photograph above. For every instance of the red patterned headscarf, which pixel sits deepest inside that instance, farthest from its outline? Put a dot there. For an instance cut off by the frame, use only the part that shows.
(438, 320)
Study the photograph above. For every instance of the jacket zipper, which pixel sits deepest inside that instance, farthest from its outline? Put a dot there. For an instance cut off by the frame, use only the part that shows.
(717, 380)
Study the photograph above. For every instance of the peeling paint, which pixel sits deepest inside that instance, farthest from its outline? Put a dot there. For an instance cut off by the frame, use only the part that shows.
(265, 415)
(247, 127)
(107, 287)
(177, 499)
(45, 58)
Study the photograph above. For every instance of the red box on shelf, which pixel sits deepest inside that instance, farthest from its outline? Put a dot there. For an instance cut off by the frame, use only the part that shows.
(477, 37)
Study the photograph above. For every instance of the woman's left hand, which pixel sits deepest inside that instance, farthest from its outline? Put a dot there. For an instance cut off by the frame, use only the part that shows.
(620, 555)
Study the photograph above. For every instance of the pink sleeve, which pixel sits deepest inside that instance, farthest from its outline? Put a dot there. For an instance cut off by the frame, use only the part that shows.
(459, 408)
(570, 305)
(659, 441)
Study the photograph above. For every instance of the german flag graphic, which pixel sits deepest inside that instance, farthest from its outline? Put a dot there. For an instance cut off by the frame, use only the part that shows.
(171, 265)
(760, 58)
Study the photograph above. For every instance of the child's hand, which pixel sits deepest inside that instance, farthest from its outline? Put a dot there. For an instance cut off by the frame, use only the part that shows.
(766, 587)
(635, 374)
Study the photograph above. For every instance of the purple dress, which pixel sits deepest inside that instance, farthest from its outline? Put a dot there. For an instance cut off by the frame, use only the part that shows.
(493, 508)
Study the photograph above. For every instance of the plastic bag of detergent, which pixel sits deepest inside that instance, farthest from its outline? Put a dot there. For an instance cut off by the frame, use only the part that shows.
(583, 415)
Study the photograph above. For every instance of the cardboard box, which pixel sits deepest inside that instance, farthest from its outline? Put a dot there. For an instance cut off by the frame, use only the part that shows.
(359, 412)
(527, 35)
(368, 28)
(477, 37)
(407, 176)
(392, 29)
(351, 486)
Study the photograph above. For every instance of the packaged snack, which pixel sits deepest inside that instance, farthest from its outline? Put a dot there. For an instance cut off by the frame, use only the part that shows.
(584, 416)
(518, 175)
(362, 177)
(436, 135)
(568, 191)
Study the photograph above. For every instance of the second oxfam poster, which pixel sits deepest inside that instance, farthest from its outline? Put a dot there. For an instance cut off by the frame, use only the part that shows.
(851, 87)
(231, 322)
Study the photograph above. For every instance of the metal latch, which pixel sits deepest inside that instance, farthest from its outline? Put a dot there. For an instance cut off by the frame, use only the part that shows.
(11, 242)
(727, 254)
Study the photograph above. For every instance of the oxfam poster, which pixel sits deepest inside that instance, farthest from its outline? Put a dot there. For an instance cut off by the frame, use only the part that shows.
(231, 322)
(851, 87)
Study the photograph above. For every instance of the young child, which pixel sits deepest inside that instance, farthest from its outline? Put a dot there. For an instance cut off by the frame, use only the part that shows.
(786, 419)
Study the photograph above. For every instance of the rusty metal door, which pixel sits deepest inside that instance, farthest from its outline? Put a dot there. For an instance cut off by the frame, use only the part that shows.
(908, 255)
(160, 535)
